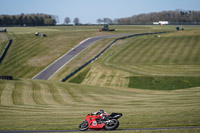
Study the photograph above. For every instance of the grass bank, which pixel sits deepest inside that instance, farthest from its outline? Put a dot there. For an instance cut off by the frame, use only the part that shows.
(163, 82)
(174, 55)
(48, 105)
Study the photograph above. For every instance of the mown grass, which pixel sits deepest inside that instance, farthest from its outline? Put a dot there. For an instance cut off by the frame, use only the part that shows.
(2, 47)
(3, 41)
(152, 50)
(80, 77)
(151, 131)
(48, 105)
(29, 54)
(163, 82)
(173, 55)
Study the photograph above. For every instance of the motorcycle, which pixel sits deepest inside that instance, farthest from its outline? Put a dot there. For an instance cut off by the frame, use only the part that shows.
(106, 121)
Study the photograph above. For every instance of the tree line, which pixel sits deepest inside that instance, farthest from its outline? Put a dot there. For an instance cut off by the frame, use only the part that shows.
(28, 20)
(174, 17)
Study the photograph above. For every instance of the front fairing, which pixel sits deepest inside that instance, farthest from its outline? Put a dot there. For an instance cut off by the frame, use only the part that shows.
(92, 122)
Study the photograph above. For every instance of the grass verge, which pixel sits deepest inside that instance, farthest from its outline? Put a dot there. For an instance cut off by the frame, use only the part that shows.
(80, 77)
(163, 82)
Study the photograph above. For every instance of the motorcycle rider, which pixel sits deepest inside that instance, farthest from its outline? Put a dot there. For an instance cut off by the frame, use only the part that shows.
(101, 113)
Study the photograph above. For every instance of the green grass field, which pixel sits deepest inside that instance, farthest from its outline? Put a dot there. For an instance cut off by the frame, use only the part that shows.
(43, 105)
(173, 55)
(29, 54)
(107, 83)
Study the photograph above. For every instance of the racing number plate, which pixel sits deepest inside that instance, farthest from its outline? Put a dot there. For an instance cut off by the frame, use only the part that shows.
(94, 123)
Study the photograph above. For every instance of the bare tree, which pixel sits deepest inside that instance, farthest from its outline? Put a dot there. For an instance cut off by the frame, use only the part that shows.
(107, 20)
(76, 21)
(99, 21)
(67, 20)
(56, 18)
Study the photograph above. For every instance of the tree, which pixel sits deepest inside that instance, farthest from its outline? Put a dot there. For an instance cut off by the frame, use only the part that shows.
(99, 21)
(76, 21)
(55, 18)
(107, 21)
(67, 20)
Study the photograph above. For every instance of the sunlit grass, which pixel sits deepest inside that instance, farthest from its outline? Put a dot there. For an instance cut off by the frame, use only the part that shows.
(48, 105)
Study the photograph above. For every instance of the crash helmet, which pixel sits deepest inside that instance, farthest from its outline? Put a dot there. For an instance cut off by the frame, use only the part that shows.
(101, 111)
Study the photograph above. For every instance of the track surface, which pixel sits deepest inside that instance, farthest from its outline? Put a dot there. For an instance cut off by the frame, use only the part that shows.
(134, 129)
(59, 63)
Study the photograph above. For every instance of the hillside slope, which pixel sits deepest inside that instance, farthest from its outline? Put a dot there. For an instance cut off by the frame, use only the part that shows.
(173, 54)
(48, 105)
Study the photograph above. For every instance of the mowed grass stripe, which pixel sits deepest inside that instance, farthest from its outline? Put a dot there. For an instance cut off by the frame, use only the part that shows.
(57, 96)
(170, 52)
(27, 94)
(19, 59)
(151, 48)
(47, 95)
(158, 51)
(82, 95)
(22, 47)
(196, 52)
(2, 86)
(17, 94)
(178, 53)
(25, 51)
(156, 54)
(188, 57)
(37, 94)
(185, 52)
(159, 55)
(132, 52)
(193, 47)
(7, 94)
(62, 96)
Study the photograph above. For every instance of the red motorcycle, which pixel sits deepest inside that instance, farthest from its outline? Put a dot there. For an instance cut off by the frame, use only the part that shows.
(100, 121)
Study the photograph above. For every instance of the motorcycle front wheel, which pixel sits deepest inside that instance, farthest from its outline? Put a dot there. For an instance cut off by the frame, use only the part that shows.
(83, 126)
(112, 125)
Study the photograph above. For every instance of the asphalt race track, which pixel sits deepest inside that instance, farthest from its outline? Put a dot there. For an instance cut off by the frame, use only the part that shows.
(133, 129)
(59, 63)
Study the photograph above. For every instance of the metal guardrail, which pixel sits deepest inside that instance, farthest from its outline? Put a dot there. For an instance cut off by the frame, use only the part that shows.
(5, 50)
(94, 58)
(6, 77)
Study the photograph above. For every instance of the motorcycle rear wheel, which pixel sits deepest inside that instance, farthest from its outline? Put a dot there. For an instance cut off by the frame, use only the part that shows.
(83, 126)
(113, 125)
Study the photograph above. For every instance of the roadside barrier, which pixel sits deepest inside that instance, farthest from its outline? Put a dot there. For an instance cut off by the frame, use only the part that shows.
(94, 58)
(5, 50)
(6, 77)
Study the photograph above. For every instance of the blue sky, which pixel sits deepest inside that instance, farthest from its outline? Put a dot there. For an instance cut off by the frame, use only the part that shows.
(88, 11)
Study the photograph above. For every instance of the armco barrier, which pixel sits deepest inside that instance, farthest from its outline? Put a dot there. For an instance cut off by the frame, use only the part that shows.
(5, 50)
(94, 58)
(6, 77)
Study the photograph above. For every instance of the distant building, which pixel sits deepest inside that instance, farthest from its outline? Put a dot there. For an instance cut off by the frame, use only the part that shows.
(161, 23)
(156, 23)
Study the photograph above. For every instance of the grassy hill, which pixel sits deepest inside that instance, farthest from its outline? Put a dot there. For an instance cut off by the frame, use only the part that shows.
(172, 55)
(27, 104)
(46, 105)
(29, 54)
